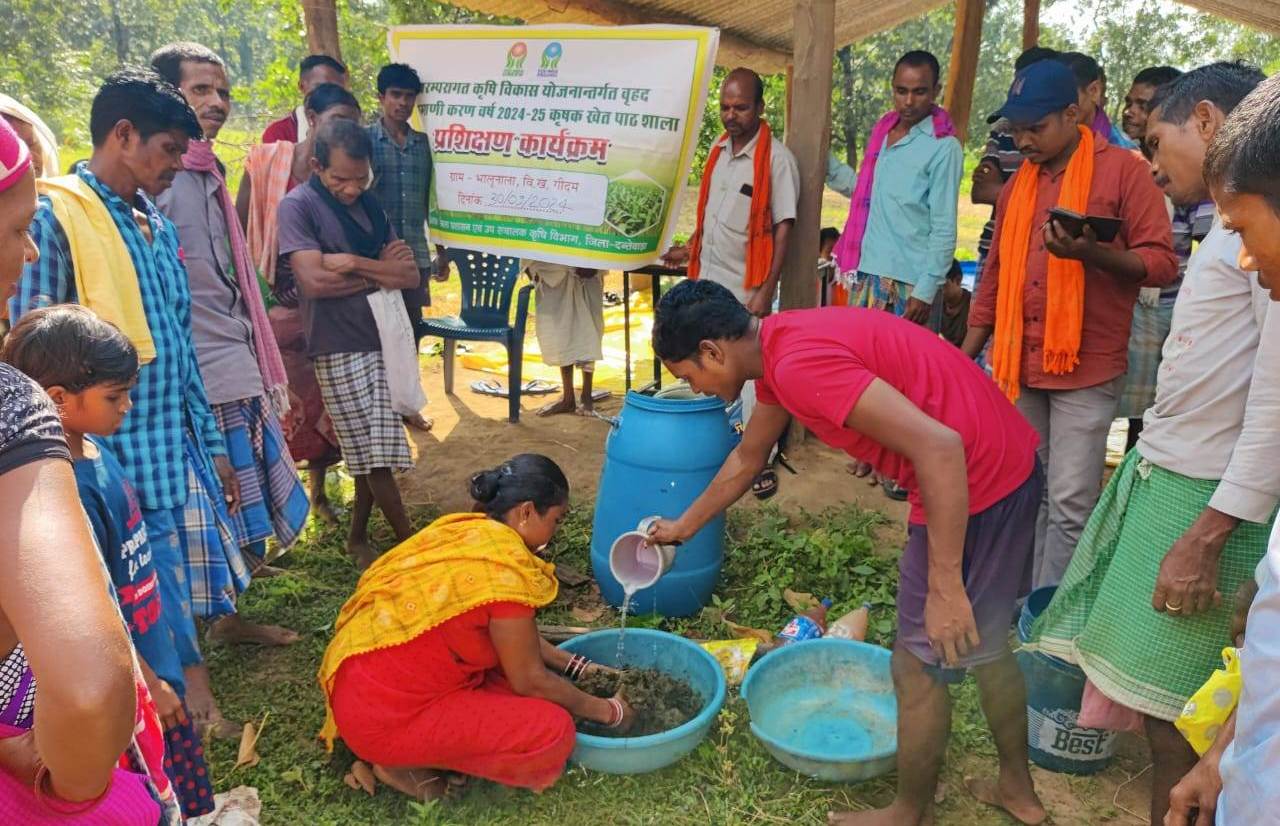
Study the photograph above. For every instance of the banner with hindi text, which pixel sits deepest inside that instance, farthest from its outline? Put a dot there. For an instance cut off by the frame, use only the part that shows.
(569, 144)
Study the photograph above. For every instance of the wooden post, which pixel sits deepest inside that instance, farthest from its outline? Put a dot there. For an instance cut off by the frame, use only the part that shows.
(814, 40)
(321, 17)
(1030, 23)
(965, 44)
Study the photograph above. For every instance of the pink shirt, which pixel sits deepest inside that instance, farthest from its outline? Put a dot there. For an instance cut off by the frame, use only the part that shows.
(818, 363)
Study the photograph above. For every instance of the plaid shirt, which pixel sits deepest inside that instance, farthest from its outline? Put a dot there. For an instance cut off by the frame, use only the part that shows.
(402, 183)
(1190, 226)
(169, 396)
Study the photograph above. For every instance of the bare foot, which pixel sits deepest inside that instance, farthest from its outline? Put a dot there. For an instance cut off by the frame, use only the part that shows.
(588, 409)
(323, 510)
(265, 571)
(419, 422)
(363, 554)
(1023, 806)
(556, 408)
(423, 785)
(895, 815)
(234, 629)
(203, 708)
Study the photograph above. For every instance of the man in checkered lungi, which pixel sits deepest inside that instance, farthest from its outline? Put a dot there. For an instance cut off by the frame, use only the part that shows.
(337, 241)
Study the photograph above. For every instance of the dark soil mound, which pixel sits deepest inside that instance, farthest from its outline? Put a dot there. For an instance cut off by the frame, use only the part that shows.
(661, 702)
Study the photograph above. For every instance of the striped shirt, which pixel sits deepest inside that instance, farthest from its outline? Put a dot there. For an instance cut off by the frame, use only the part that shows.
(169, 396)
(1190, 226)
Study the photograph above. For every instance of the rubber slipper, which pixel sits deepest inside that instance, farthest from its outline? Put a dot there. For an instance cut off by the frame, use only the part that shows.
(538, 387)
(487, 387)
(765, 485)
(894, 491)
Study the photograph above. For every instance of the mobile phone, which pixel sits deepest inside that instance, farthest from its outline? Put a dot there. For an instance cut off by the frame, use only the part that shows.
(1106, 229)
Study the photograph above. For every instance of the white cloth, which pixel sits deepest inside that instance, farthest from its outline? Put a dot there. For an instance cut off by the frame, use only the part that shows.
(1217, 408)
(569, 314)
(48, 144)
(1250, 767)
(300, 117)
(724, 226)
(399, 353)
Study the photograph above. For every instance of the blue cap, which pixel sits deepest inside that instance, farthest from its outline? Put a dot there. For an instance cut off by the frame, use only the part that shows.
(1038, 90)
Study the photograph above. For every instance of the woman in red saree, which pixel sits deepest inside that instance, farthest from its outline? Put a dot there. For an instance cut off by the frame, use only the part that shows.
(436, 664)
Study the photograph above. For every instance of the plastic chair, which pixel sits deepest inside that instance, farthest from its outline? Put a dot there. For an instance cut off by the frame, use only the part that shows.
(487, 284)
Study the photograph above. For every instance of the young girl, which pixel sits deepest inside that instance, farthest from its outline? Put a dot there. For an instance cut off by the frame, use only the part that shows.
(88, 367)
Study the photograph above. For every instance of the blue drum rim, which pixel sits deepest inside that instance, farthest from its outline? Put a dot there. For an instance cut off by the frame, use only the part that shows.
(656, 405)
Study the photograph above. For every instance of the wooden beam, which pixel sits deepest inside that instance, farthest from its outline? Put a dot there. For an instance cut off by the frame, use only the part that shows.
(735, 50)
(1030, 23)
(807, 140)
(966, 42)
(321, 17)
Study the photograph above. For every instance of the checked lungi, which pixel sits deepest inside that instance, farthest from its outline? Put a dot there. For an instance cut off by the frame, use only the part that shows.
(356, 395)
(272, 499)
(1101, 616)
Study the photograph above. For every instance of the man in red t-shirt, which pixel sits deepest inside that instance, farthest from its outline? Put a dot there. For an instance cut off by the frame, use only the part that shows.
(314, 70)
(894, 395)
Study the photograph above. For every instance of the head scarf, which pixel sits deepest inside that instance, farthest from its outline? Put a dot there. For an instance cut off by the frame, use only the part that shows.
(48, 144)
(15, 157)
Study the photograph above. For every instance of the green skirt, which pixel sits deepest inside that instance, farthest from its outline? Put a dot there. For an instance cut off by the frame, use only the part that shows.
(1101, 617)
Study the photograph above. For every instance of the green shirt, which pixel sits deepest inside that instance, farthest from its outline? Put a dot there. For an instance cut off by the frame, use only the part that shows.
(911, 231)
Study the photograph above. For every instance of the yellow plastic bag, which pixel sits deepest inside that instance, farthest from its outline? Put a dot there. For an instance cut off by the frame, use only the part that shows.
(733, 655)
(1211, 705)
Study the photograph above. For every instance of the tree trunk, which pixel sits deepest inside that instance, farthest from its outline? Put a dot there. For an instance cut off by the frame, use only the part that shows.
(322, 27)
(848, 123)
(119, 34)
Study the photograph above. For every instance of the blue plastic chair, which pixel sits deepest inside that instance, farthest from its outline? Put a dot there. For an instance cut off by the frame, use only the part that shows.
(487, 284)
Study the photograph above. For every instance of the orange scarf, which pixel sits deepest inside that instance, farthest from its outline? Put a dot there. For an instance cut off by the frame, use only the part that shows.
(760, 222)
(1064, 310)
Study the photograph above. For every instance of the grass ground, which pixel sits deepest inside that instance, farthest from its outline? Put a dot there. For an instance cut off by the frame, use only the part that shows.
(730, 779)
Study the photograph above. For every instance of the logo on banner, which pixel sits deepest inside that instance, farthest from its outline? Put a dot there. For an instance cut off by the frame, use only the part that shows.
(515, 59)
(547, 67)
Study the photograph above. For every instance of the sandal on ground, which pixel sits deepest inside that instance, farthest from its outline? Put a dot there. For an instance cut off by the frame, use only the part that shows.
(894, 491)
(765, 485)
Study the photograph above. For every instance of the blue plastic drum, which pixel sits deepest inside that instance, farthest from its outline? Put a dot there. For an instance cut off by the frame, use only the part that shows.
(659, 457)
(1054, 691)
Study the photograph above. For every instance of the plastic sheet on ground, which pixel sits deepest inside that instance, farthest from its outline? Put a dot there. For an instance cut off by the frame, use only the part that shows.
(610, 372)
(238, 807)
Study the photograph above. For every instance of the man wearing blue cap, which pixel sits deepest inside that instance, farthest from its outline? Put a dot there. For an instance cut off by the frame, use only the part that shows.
(1060, 305)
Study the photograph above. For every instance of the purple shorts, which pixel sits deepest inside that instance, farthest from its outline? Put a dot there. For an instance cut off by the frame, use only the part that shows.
(999, 547)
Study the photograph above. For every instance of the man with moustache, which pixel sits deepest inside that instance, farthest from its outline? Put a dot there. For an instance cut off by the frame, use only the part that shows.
(243, 375)
(1060, 306)
(105, 245)
(1145, 606)
(900, 237)
(1137, 101)
(314, 70)
(746, 209)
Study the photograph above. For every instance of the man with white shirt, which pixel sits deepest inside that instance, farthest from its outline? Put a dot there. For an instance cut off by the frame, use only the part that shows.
(1145, 605)
(1242, 168)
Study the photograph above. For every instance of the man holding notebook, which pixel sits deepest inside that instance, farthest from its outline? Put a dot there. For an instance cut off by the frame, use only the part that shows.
(1059, 304)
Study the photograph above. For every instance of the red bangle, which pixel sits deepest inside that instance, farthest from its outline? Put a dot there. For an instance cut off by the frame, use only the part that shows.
(47, 798)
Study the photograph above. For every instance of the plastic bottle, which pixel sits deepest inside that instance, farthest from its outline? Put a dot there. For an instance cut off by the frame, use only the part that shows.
(852, 626)
(807, 626)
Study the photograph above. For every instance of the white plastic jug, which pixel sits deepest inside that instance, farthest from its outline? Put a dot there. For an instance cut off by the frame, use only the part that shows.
(636, 562)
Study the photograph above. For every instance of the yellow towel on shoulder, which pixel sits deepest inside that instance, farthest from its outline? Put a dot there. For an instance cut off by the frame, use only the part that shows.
(456, 563)
(106, 280)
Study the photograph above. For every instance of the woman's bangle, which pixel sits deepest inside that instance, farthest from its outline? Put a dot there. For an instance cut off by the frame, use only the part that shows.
(42, 788)
(616, 712)
(576, 667)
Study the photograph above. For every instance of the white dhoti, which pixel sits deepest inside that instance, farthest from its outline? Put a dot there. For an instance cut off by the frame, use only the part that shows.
(569, 315)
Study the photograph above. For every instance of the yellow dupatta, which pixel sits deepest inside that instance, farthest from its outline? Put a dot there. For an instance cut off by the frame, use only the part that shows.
(456, 563)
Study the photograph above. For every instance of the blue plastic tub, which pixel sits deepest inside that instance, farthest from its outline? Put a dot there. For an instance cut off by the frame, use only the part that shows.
(826, 708)
(1054, 691)
(659, 457)
(668, 653)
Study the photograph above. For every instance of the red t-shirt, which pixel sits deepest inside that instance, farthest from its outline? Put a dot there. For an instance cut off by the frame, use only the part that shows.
(817, 363)
(285, 129)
